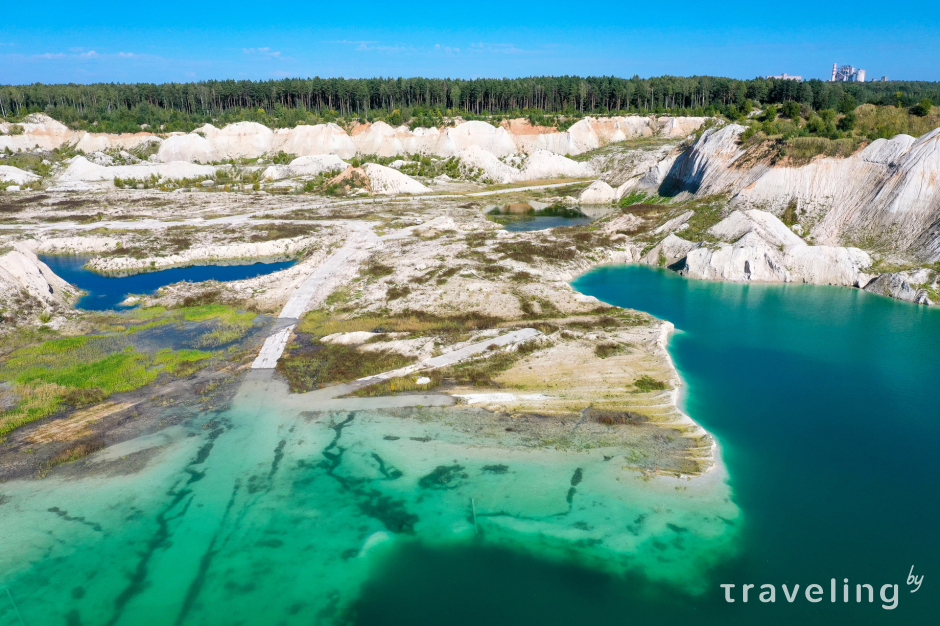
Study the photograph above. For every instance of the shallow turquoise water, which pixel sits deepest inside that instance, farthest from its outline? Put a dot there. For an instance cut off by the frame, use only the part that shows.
(107, 292)
(272, 512)
(825, 401)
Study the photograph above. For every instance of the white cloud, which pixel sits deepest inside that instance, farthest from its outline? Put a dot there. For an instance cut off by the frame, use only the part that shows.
(91, 54)
(49, 55)
(265, 52)
(127, 55)
(498, 48)
(352, 42)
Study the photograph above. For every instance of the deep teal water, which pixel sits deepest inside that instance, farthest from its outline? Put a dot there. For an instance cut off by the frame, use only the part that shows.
(107, 292)
(825, 402)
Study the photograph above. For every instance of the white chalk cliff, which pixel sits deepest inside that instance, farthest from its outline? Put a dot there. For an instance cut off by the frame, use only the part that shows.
(888, 192)
(756, 246)
(23, 275)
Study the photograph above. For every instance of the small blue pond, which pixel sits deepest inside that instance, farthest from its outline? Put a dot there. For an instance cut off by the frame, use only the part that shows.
(537, 216)
(107, 292)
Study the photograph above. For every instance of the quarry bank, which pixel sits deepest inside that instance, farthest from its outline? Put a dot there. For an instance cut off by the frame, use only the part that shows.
(398, 323)
(685, 193)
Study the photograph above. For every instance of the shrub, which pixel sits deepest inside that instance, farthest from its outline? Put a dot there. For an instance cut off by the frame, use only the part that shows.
(648, 383)
(922, 108)
(791, 110)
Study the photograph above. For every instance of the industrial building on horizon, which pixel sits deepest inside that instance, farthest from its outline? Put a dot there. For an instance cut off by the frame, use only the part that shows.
(786, 76)
(844, 74)
(850, 74)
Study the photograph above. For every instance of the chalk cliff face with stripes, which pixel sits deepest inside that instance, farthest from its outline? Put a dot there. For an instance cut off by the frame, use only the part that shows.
(252, 140)
(883, 199)
(887, 194)
(513, 151)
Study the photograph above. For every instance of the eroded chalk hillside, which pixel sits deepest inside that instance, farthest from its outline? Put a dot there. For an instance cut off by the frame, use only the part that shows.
(870, 219)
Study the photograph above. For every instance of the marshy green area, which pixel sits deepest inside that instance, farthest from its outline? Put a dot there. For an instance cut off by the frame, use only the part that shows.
(44, 374)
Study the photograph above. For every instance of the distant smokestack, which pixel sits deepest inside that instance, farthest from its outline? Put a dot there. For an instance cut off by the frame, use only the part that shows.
(860, 76)
(833, 72)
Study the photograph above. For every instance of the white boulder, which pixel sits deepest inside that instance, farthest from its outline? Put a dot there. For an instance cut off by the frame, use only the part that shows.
(386, 181)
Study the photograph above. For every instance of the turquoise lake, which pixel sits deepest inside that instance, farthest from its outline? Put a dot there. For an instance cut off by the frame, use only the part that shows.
(825, 403)
(275, 510)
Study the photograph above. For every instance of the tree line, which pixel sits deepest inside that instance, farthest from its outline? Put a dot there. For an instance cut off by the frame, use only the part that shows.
(114, 107)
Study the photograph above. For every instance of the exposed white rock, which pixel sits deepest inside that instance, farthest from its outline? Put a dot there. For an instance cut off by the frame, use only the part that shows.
(670, 250)
(306, 166)
(386, 181)
(766, 225)
(278, 248)
(102, 142)
(81, 169)
(10, 174)
(544, 164)
(496, 141)
(320, 139)
(74, 245)
(623, 224)
(349, 339)
(192, 148)
(493, 169)
(240, 140)
(598, 192)
(39, 131)
(22, 271)
(910, 286)
(889, 190)
(675, 224)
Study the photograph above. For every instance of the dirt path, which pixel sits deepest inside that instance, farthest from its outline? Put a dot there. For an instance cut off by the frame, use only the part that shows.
(316, 287)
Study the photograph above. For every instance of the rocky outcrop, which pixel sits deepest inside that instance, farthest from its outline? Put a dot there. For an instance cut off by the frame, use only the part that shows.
(39, 132)
(192, 148)
(475, 157)
(305, 166)
(544, 164)
(275, 249)
(598, 192)
(910, 286)
(10, 174)
(26, 282)
(387, 181)
(252, 140)
(888, 192)
(309, 140)
(81, 170)
(756, 246)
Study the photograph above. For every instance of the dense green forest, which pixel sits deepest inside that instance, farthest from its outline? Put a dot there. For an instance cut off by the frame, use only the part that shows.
(426, 101)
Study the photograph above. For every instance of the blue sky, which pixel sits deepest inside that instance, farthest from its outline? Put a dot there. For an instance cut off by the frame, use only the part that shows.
(109, 41)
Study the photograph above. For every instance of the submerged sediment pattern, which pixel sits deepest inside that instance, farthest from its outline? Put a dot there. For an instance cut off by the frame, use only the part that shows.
(268, 511)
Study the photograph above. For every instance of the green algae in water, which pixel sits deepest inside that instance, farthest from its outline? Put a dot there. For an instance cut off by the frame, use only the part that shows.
(272, 512)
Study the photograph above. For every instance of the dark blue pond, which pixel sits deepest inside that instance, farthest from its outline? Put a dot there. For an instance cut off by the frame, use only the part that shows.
(107, 292)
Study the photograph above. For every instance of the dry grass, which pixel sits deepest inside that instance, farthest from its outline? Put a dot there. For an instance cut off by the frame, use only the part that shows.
(74, 452)
(311, 366)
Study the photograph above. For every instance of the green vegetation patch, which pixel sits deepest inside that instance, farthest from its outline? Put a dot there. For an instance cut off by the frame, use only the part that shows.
(648, 383)
(402, 384)
(50, 374)
(77, 371)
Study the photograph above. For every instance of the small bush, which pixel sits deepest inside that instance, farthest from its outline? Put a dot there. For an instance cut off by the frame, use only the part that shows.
(608, 348)
(647, 383)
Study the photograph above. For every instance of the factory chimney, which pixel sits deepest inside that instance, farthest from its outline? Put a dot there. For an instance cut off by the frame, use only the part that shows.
(833, 72)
